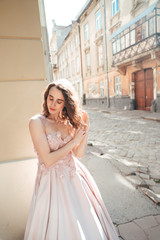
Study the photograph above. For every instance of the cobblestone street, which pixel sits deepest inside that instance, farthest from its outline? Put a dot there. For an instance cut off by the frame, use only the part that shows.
(130, 142)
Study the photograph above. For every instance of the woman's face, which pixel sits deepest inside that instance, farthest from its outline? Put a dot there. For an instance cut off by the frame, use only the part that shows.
(55, 101)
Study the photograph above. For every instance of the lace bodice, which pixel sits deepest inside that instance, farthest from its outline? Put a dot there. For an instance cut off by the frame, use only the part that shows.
(64, 166)
(55, 140)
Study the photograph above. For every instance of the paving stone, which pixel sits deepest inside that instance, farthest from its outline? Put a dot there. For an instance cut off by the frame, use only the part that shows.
(152, 159)
(136, 159)
(130, 231)
(150, 182)
(155, 175)
(135, 180)
(138, 155)
(133, 169)
(151, 166)
(146, 222)
(123, 154)
(157, 218)
(143, 169)
(153, 233)
(130, 154)
(158, 155)
(144, 176)
(156, 188)
(125, 170)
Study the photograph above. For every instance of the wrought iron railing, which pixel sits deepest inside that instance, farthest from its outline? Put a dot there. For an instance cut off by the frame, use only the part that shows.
(139, 38)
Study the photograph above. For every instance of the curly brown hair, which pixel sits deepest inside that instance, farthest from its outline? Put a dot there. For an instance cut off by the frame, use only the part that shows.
(72, 111)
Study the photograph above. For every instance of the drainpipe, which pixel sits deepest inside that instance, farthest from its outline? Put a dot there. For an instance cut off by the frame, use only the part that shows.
(105, 52)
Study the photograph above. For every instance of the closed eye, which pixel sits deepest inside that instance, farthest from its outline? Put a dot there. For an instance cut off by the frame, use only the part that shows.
(59, 102)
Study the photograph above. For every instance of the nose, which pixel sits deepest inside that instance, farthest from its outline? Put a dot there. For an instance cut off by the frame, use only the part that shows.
(54, 103)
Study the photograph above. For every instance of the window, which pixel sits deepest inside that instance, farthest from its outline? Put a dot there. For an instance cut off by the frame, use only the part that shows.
(115, 7)
(114, 47)
(118, 45)
(118, 86)
(70, 46)
(102, 89)
(139, 33)
(127, 40)
(144, 30)
(73, 68)
(93, 90)
(63, 56)
(151, 26)
(88, 61)
(78, 65)
(122, 43)
(66, 52)
(133, 37)
(60, 74)
(100, 55)
(86, 32)
(98, 20)
(76, 40)
(158, 24)
(67, 72)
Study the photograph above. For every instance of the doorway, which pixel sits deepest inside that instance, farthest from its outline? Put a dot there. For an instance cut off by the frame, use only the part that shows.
(144, 89)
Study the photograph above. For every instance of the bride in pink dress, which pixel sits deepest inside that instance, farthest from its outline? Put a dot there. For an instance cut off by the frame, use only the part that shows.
(66, 203)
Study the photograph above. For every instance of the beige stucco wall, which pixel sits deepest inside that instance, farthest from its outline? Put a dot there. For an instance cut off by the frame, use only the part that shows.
(22, 75)
(22, 83)
(20, 18)
(21, 59)
(19, 101)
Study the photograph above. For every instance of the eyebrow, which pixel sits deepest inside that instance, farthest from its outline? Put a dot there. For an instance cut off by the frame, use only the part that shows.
(58, 98)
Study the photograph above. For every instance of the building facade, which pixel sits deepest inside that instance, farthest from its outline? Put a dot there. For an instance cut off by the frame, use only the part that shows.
(59, 34)
(119, 54)
(133, 40)
(66, 57)
(92, 50)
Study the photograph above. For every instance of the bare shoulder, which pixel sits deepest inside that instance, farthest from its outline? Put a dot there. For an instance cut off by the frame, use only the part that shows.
(35, 121)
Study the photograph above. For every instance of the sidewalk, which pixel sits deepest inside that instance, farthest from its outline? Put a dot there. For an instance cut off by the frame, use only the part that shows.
(124, 130)
(155, 116)
(146, 228)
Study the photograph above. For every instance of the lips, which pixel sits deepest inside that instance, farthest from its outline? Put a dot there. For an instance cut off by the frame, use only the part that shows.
(52, 109)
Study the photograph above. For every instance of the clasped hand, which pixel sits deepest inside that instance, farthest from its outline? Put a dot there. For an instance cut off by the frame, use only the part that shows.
(79, 135)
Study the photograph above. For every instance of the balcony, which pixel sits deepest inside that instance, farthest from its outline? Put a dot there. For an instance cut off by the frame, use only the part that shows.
(136, 50)
(136, 38)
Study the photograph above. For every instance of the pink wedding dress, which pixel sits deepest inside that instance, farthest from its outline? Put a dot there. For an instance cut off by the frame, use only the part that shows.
(66, 203)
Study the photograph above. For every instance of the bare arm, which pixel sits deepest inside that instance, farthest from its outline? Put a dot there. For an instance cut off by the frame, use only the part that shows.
(79, 149)
(41, 144)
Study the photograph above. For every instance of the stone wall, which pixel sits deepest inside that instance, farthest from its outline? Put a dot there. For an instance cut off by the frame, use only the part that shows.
(123, 102)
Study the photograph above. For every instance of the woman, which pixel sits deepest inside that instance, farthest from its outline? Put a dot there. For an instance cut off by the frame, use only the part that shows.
(66, 203)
